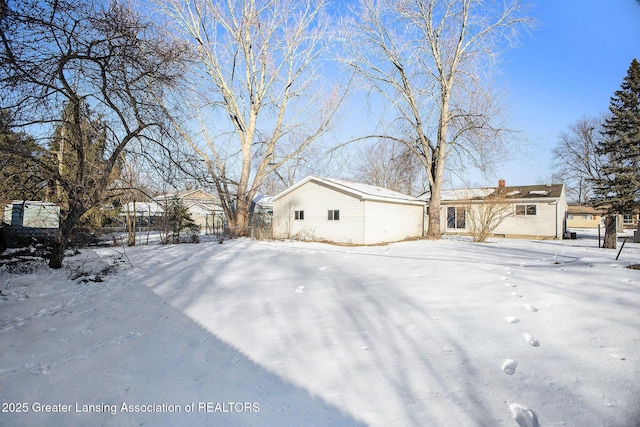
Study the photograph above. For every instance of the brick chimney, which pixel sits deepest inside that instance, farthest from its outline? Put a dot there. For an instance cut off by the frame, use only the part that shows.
(502, 183)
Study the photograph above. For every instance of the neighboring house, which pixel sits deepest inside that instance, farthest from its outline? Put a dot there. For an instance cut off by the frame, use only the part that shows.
(584, 216)
(630, 221)
(262, 204)
(530, 211)
(205, 209)
(261, 216)
(338, 211)
(589, 217)
(146, 213)
(30, 219)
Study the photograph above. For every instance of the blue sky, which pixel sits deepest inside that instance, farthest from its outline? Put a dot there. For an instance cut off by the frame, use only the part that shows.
(568, 68)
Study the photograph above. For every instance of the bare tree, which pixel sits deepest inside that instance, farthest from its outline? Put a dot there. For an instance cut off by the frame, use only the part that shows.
(427, 59)
(131, 192)
(484, 214)
(256, 99)
(291, 172)
(104, 65)
(391, 165)
(576, 158)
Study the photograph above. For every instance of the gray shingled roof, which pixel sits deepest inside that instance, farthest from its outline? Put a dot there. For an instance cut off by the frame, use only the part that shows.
(517, 192)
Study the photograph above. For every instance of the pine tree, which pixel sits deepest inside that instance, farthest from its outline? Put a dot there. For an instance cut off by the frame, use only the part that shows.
(21, 175)
(179, 224)
(619, 188)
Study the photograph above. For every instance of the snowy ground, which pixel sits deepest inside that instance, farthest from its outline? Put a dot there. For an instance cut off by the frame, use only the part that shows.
(442, 333)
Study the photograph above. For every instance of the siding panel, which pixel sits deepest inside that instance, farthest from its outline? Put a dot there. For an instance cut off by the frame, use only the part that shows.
(389, 222)
(316, 200)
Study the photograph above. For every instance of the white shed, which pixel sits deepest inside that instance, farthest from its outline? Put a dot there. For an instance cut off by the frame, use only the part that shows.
(31, 214)
(338, 211)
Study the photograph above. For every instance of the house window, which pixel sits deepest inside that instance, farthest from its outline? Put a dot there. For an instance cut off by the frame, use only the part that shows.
(527, 210)
(456, 217)
(334, 215)
(587, 216)
(299, 215)
(569, 216)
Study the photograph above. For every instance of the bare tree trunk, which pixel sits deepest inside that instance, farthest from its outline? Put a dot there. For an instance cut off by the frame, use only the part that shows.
(241, 221)
(437, 166)
(63, 235)
(131, 225)
(57, 250)
(434, 230)
(610, 232)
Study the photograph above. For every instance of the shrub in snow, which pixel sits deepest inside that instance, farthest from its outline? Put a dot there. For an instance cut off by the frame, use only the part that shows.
(178, 226)
(94, 269)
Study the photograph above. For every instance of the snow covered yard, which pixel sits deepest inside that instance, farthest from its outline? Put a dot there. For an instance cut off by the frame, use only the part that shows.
(441, 333)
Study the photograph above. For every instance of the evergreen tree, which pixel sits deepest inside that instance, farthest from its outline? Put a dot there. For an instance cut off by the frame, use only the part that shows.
(619, 187)
(179, 225)
(21, 176)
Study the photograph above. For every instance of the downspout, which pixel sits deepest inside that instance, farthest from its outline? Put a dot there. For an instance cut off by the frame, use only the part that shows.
(424, 218)
(556, 228)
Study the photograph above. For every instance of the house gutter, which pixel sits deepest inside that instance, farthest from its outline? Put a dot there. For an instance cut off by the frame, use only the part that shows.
(555, 203)
(424, 217)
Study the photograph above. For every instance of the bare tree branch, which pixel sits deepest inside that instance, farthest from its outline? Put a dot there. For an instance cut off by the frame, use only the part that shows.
(428, 59)
(83, 77)
(257, 101)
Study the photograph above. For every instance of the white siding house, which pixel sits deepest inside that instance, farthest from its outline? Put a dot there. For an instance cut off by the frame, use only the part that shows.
(338, 211)
(530, 211)
(24, 220)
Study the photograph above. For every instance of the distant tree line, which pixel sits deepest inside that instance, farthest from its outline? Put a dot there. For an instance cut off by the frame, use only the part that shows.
(599, 157)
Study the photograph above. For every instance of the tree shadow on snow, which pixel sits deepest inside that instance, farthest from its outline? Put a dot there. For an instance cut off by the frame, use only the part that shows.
(162, 357)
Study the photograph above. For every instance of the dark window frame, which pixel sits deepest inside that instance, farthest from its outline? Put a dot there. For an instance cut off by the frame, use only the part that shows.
(529, 209)
(456, 218)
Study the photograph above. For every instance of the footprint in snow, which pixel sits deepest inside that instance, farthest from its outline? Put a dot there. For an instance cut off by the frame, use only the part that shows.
(530, 307)
(616, 353)
(618, 356)
(515, 294)
(323, 268)
(511, 319)
(531, 340)
(509, 366)
(511, 285)
(299, 289)
(524, 416)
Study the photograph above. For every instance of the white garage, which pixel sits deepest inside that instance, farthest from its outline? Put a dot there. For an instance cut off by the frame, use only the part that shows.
(325, 209)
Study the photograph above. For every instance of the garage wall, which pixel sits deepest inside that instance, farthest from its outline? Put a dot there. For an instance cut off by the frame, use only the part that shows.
(390, 222)
(315, 199)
